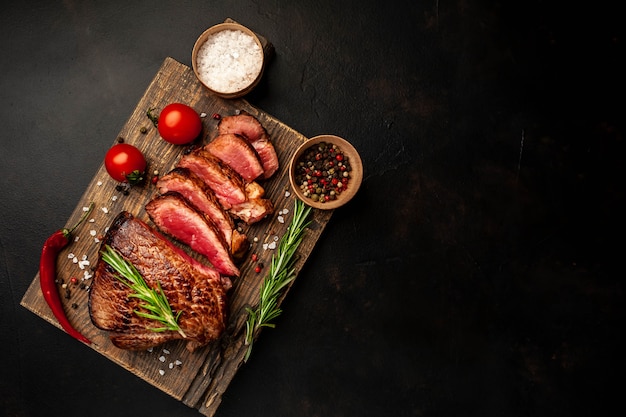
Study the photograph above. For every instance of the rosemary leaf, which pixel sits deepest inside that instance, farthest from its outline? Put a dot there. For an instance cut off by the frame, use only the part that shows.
(154, 300)
(280, 274)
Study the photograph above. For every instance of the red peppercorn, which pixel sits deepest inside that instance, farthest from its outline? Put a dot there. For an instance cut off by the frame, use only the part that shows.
(339, 157)
(155, 179)
(258, 268)
(255, 257)
(216, 116)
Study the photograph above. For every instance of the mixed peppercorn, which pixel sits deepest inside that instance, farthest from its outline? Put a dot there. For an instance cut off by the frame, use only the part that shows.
(323, 172)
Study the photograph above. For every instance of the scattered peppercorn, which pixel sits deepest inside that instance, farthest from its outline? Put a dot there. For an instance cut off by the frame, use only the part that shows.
(258, 268)
(216, 116)
(153, 118)
(255, 257)
(120, 139)
(323, 172)
(143, 130)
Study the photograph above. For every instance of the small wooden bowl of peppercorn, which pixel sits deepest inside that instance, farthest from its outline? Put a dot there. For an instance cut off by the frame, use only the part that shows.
(325, 172)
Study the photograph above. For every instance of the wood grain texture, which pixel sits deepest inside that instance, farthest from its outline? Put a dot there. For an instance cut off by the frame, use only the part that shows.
(203, 376)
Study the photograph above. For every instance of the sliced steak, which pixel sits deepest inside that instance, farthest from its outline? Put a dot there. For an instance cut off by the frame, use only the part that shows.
(238, 153)
(248, 126)
(177, 218)
(201, 196)
(226, 183)
(195, 289)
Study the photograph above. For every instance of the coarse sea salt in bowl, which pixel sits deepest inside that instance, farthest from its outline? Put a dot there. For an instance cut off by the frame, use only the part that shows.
(228, 59)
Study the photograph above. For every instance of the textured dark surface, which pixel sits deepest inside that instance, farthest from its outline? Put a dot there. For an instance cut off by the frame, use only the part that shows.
(477, 272)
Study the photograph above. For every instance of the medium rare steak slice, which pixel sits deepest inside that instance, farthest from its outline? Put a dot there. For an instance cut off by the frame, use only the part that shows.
(249, 127)
(238, 153)
(226, 183)
(174, 216)
(190, 186)
(195, 289)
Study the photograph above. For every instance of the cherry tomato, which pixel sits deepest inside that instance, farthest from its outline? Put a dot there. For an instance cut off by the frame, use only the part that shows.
(179, 124)
(125, 163)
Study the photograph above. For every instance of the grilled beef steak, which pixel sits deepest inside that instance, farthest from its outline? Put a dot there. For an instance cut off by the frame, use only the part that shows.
(196, 192)
(237, 152)
(195, 289)
(226, 183)
(248, 126)
(177, 218)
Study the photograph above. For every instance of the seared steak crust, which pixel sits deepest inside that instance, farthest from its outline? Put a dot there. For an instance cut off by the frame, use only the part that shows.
(195, 289)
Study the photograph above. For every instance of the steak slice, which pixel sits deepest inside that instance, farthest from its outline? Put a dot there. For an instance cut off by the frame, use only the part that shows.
(195, 191)
(248, 126)
(177, 218)
(238, 153)
(226, 183)
(195, 289)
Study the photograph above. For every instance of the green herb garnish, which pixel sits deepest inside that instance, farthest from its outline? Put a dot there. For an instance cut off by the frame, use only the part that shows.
(281, 273)
(154, 299)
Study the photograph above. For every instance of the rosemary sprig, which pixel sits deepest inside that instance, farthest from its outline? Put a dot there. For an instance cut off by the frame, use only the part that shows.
(154, 299)
(280, 274)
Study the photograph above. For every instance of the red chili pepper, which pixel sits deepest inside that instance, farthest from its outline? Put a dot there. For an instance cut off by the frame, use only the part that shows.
(47, 275)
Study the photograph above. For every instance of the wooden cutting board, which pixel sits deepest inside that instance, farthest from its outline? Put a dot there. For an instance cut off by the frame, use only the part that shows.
(197, 379)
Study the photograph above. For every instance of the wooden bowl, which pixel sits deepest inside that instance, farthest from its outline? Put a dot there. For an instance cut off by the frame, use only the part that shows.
(350, 155)
(226, 73)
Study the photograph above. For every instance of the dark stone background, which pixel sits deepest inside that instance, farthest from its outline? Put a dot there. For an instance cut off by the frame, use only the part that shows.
(476, 273)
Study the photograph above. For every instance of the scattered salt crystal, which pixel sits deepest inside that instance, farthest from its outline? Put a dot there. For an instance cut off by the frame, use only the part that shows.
(271, 245)
(70, 255)
(105, 210)
(83, 264)
(281, 219)
(256, 239)
(92, 220)
(86, 275)
(162, 358)
(161, 372)
(76, 238)
(114, 198)
(75, 260)
(229, 61)
(203, 114)
(265, 246)
(99, 183)
(85, 208)
(150, 349)
(92, 232)
(275, 238)
(167, 352)
(287, 193)
(96, 240)
(171, 365)
(177, 362)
